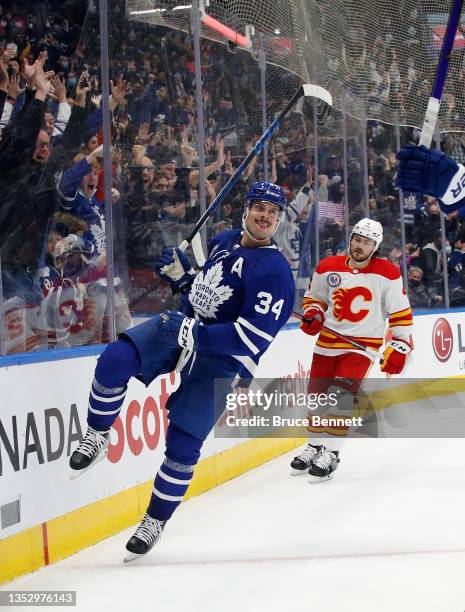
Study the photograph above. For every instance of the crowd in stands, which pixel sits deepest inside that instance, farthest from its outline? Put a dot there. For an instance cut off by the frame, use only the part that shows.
(387, 55)
(52, 215)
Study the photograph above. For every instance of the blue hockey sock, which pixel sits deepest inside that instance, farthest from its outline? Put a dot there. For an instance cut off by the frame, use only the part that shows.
(175, 473)
(104, 405)
(116, 365)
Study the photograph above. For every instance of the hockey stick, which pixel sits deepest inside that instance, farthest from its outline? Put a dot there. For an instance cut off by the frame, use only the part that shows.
(374, 354)
(432, 110)
(307, 90)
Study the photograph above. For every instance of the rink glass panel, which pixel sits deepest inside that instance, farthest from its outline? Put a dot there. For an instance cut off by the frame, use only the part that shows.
(383, 197)
(53, 256)
(54, 302)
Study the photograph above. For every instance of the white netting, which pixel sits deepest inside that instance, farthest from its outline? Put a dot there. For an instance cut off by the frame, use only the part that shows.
(384, 53)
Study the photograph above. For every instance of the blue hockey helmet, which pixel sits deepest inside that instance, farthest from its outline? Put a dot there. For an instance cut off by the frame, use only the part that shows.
(264, 192)
(267, 192)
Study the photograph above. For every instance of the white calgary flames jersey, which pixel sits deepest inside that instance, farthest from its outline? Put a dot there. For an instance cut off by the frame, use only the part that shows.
(357, 303)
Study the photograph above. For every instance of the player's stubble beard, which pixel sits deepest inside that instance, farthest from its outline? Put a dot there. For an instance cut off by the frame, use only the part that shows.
(359, 258)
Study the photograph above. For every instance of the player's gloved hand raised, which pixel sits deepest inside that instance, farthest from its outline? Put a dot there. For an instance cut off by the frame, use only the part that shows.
(395, 355)
(430, 172)
(176, 268)
(177, 330)
(313, 320)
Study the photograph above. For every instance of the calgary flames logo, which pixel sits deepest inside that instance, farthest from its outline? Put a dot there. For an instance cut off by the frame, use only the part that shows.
(342, 303)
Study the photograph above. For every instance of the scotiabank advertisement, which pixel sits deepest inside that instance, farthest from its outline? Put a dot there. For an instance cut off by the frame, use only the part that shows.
(43, 417)
(44, 409)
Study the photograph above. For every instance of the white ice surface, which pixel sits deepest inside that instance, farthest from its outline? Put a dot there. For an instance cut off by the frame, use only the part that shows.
(387, 534)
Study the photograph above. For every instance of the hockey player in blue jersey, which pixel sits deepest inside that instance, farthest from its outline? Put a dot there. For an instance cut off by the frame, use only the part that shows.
(232, 309)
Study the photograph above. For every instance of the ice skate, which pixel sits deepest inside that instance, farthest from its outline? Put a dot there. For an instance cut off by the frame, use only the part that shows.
(92, 449)
(302, 462)
(323, 466)
(145, 537)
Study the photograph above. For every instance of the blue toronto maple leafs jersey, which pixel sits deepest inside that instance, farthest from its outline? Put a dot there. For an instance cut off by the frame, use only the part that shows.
(91, 210)
(243, 296)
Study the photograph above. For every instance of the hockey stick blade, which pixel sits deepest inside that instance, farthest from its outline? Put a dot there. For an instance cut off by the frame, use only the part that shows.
(315, 91)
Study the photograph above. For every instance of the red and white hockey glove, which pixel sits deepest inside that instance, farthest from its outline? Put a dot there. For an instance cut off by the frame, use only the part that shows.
(395, 355)
(314, 318)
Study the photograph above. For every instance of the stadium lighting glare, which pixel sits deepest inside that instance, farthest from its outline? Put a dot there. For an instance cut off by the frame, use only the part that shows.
(235, 37)
(162, 10)
(146, 12)
(224, 30)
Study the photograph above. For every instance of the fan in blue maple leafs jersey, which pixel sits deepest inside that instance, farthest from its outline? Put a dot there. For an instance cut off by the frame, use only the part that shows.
(232, 309)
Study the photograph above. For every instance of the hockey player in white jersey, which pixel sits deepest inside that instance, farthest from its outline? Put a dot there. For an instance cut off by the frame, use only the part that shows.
(353, 295)
(232, 309)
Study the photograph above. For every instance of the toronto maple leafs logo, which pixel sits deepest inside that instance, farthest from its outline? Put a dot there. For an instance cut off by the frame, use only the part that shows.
(410, 202)
(98, 233)
(207, 294)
